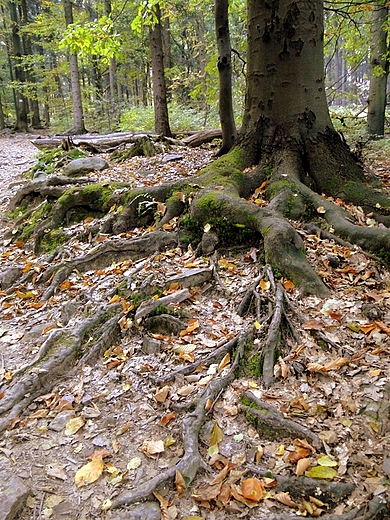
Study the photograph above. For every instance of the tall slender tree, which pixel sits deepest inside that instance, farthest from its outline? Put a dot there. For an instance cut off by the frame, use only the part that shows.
(226, 113)
(78, 114)
(161, 117)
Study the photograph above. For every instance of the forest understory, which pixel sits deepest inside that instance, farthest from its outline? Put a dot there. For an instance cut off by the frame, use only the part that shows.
(161, 358)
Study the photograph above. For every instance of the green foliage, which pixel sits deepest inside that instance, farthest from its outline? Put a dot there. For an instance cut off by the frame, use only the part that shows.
(181, 118)
(92, 38)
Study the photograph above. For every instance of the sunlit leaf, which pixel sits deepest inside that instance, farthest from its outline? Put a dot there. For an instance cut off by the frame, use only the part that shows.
(252, 489)
(90, 472)
(327, 461)
(74, 425)
(324, 472)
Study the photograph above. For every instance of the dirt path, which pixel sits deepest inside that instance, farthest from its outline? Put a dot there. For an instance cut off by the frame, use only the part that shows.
(17, 155)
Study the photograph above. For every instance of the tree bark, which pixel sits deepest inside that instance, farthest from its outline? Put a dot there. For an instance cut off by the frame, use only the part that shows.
(226, 113)
(78, 114)
(21, 104)
(161, 118)
(379, 70)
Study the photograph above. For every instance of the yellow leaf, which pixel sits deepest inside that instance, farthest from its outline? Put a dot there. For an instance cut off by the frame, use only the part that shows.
(265, 284)
(374, 426)
(321, 472)
(90, 472)
(281, 450)
(327, 461)
(216, 435)
(169, 441)
(257, 325)
(106, 504)
(207, 228)
(74, 425)
(225, 361)
(134, 463)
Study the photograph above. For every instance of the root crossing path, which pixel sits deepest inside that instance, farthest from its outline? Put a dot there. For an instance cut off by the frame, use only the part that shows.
(141, 379)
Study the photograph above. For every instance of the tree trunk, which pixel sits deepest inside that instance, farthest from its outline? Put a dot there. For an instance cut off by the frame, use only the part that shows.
(226, 114)
(161, 119)
(379, 70)
(286, 105)
(21, 104)
(31, 75)
(78, 114)
(2, 117)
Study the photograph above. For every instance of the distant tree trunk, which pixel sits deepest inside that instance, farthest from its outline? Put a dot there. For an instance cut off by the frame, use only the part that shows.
(226, 114)
(31, 76)
(21, 104)
(78, 114)
(161, 118)
(202, 64)
(379, 69)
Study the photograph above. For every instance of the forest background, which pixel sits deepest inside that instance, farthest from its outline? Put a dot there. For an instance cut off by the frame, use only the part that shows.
(111, 44)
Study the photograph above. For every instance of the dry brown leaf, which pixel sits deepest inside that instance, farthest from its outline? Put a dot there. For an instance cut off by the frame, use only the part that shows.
(123, 429)
(236, 492)
(313, 324)
(298, 454)
(164, 504)
(165, 419)
(336, 363)
(284, 498)
(161, 395)
(315, 367)
(180, 483)
(152, 448)
(302, 466)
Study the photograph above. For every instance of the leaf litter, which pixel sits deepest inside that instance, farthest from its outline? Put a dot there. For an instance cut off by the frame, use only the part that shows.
(336, 382)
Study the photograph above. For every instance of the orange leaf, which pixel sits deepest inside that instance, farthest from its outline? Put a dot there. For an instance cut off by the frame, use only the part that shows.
(165, 419)
(252, 489)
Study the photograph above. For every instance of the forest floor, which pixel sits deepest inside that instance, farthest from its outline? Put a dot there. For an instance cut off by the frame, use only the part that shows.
(113, 425)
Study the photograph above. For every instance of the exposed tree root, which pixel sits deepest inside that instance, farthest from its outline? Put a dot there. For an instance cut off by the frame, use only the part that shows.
(271, 423)
(56, 357)
(375, 509)
(189, 465)
(214, 357)
(297, 487)
(107, 253)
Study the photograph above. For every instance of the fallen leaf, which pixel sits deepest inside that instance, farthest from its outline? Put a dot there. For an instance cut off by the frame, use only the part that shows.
(152, 448)
(284, 498)
(302, 466)
(216, 435)
(161, 395)
(74, 425)
(180, 483)
(321, 472)
(90, 472)
(252, 489)
(165, 419)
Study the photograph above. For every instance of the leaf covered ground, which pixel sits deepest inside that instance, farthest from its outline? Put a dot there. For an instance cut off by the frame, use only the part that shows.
(111, 424)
